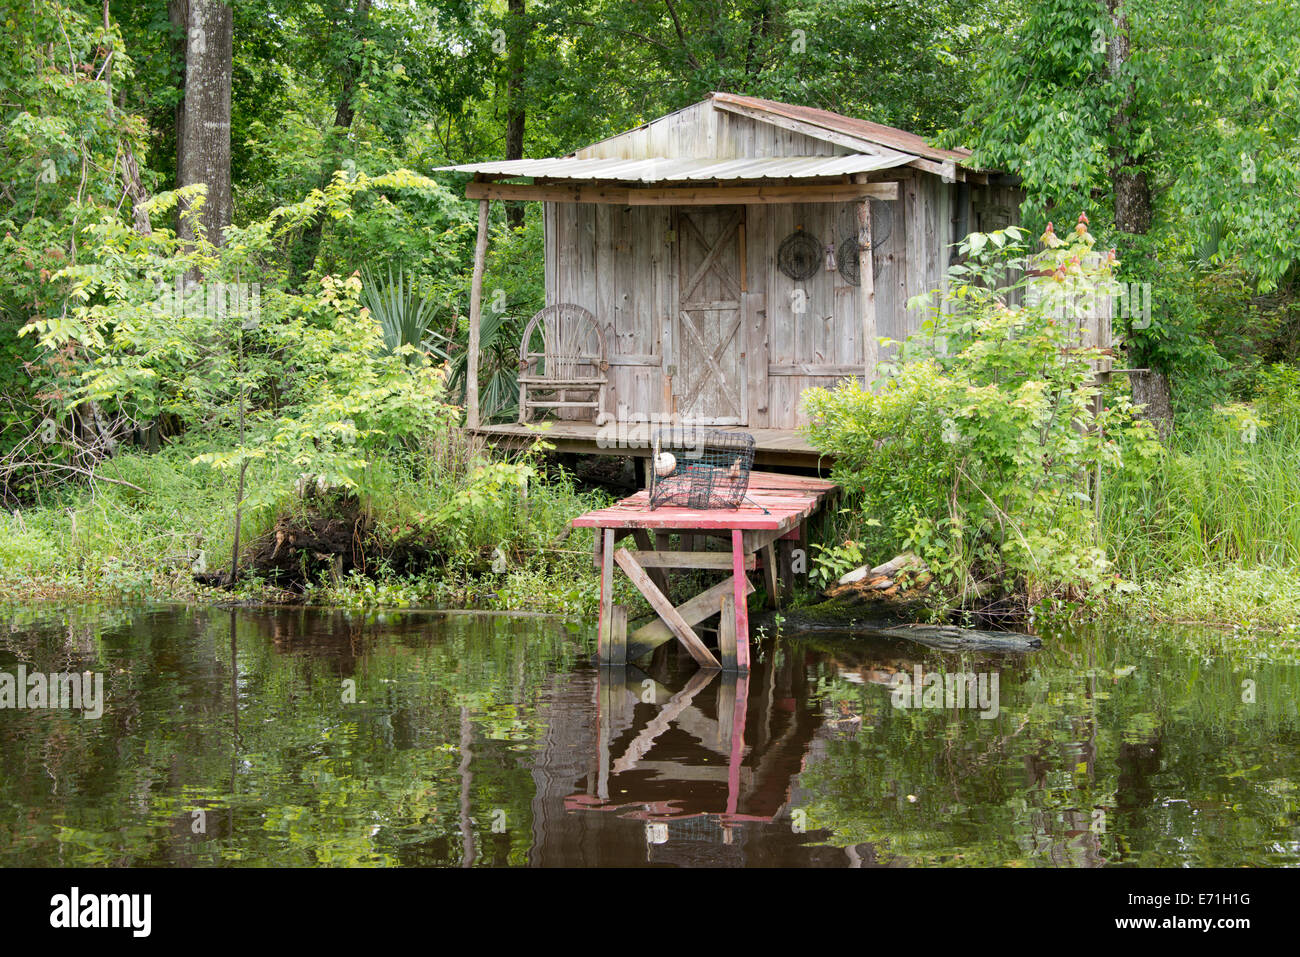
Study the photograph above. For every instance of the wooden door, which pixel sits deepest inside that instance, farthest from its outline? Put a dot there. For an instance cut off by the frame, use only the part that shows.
(709, 378)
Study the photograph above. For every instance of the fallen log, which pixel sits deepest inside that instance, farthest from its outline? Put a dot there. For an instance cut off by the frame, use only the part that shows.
(836, 622)
(889, 569)
(904, 562)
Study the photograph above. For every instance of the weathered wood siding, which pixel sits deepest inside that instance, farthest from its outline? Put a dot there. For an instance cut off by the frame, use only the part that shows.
(622, 263)
(617, 262)
(701, 132)
(811, 348)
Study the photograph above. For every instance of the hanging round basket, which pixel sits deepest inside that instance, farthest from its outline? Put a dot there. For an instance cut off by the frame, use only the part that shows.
(847, 255)
(799, 256)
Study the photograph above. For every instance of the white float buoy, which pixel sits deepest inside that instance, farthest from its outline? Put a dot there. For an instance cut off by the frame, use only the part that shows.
(665, 462)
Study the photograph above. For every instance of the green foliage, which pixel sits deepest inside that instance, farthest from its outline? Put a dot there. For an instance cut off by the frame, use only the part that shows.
(1249, 599)
(898, 64)
(111, 541)
(61, 141)
(302, 377)
(490, 528)
(1227, 88)
(405, 316)
(1043, 105)
(327, 96)
(1277, 391)
(974, 450)
(1205, 108)
(1226, 498)
(832, 561)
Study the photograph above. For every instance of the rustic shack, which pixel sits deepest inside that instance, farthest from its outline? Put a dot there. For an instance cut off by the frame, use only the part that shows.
(711, 265)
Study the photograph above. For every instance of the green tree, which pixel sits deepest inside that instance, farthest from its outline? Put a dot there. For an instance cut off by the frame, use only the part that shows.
(973, 450)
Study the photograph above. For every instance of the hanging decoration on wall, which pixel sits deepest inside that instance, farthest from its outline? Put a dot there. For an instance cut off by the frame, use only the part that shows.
(799, 256)
(848, 258)
(882, 226)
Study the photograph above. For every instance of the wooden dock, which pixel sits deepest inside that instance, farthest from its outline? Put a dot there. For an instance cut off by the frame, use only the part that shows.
(759, 535)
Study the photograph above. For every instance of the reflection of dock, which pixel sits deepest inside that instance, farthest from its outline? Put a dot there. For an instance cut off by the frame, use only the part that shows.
(690, 771)
(710, 759)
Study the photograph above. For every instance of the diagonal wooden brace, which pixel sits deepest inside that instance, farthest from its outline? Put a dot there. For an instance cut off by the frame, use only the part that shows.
(660, 603)
(649, 637)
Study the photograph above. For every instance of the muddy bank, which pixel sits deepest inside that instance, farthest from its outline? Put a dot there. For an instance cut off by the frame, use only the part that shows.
(328, 543)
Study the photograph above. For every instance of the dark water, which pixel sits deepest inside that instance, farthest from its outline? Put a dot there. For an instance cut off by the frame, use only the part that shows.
(229, 738)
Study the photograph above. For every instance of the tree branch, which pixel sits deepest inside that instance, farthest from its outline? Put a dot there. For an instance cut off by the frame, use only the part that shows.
(681, 34)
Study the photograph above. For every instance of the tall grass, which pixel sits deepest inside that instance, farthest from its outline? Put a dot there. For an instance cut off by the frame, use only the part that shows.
(508, 546)
(1219, 501)
(111, 539)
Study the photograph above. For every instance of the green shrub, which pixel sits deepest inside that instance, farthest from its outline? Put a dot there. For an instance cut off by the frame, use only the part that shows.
(976, 447)
(1277, 392)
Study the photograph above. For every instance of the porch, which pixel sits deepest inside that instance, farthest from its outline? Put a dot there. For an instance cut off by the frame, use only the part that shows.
(772, 447)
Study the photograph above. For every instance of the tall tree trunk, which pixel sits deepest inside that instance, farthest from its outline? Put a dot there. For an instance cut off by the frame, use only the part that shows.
(203, 135)
(1151, 391)
(1132, 191)
(515, 113)
(344, 113)
(1132, 198)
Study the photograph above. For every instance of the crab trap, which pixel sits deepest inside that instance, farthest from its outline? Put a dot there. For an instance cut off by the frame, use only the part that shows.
(700, 468)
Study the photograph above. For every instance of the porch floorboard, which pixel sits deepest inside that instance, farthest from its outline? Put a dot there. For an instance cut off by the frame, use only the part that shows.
(771, 446)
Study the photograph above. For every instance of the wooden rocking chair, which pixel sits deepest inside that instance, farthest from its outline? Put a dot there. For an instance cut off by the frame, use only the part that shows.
(569, 370)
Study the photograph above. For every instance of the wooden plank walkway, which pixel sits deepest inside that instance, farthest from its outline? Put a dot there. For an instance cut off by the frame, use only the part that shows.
(771, 519)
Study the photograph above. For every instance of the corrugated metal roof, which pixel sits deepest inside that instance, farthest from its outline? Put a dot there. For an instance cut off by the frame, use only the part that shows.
(659, 170)
(877, 133)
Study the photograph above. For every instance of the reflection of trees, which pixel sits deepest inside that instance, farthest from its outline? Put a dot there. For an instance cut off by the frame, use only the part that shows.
(1108, 749)
(288, 774)
(1119, 746)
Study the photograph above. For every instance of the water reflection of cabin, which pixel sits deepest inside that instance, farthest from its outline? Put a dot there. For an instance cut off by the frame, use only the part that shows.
(734, 254)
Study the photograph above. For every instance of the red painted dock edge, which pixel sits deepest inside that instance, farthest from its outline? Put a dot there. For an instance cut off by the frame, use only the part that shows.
(773, 502)
(776, 507)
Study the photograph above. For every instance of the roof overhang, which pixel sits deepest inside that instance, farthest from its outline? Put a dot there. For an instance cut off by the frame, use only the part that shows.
(861, 136)
(751, 194)
(661, 170)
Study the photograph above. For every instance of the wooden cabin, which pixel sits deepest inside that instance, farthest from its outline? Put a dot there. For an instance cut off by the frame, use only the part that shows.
(730, 255)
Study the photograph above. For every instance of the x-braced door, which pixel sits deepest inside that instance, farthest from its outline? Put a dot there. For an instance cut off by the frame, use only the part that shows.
(708, 339)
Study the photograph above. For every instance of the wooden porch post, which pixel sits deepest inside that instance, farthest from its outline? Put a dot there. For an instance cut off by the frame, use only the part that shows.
(740, 596)
(605, 624)
(866, 287)
(476, 317)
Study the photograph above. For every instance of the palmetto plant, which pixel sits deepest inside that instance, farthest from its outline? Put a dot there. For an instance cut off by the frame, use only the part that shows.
(405, 316)
(498, 364)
